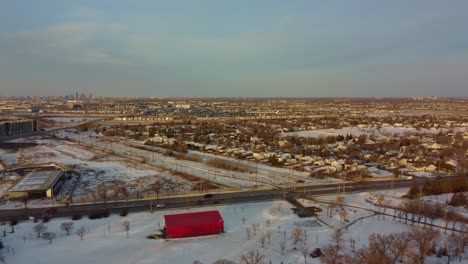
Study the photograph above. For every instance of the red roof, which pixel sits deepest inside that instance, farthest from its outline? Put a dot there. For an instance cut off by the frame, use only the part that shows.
(188, 219)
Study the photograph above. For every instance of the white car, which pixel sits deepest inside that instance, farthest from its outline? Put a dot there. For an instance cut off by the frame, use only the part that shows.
(160, 206)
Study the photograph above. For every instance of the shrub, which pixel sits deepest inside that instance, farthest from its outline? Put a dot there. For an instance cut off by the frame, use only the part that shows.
(228, 165)
(458, 199)
(45, 219)
(76, 216)
(124, 212)
(99, 215)
(105, 214)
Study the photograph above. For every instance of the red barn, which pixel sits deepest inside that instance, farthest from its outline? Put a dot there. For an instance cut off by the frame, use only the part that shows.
(193, 224)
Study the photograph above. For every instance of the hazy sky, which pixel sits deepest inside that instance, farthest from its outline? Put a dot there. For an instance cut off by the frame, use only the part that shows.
(234, 48)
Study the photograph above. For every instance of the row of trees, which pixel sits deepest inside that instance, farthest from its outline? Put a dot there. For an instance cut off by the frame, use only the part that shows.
(68, 227)
(41, 231)
(410, 247)
(436, 187)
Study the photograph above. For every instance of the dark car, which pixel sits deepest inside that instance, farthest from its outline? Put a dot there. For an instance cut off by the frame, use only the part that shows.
(200, 202)
(50, 211)
(208, 195)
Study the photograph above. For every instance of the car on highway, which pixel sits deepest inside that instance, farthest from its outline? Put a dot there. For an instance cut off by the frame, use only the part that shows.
(200, 202)
(160, 205)
(208, 195)
(405, 177)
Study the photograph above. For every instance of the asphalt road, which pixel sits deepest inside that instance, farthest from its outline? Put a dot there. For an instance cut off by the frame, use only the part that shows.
(199, 200)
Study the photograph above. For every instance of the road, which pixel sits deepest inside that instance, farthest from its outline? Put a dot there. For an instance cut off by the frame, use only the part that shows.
(188, 201)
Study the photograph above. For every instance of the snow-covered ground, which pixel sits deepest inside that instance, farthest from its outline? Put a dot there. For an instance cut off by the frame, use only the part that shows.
(107, 242)
(9, 156)
(356, 131)
(95, 168)
(65, 119)
(262, 175)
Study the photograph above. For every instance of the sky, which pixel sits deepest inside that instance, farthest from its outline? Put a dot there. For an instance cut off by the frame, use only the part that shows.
(216, 48)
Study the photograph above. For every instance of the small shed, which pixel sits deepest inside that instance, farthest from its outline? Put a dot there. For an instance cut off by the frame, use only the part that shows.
(194, 224)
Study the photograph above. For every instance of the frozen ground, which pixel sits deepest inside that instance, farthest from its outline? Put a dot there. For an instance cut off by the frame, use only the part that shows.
(356, 131)
(259, 174)
(71, 119)
(96, 168)
(107, 242)
(9, 156)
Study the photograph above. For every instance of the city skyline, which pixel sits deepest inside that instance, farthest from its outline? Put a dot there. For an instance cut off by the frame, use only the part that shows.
(241, 49)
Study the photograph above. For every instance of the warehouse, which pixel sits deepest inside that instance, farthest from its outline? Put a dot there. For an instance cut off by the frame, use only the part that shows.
(37, 184)
(194, 224)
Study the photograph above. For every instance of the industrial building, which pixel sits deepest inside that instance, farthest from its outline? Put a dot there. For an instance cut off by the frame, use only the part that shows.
(37, 184)
(17, 127)
(194, 224)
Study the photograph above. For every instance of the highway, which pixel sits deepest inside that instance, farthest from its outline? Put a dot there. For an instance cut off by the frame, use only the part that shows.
(197, 200)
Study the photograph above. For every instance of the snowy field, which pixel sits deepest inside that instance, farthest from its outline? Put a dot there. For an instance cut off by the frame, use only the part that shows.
(9, 156)
(71, 119)
(263, 175)
(95, 168)
(106, 242)
(356, 131)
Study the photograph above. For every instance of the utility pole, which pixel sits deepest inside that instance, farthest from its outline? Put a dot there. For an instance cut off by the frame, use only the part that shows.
(284, 191)
(256, 169)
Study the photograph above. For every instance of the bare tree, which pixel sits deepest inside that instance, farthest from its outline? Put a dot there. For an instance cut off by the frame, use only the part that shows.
(156, 187)
(305, 252)
(262, 239)
(102, 192)
(282, 245)
(452, 247)
(423, 240)
(243, 220)
(120, 190)
(67, 227)
(255, 228)
(380, 201)
(268, 235)
(48, 236)
(378, 248)
(399, 246)
(39, 229)
(224, 261)
(126, 227)
(332, 253)
(248, 231)
(297, 236)
(343, 215)
(197, 262)
(81, 232)
(252, 257)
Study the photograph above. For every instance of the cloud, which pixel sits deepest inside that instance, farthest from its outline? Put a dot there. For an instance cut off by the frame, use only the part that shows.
(98, 57)
(62, 35)
(72, 43)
